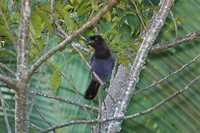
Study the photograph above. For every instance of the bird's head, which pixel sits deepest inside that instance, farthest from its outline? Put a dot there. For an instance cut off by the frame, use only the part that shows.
(95, 41)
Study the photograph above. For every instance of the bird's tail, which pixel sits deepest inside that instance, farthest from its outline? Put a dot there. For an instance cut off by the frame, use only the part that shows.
(92, 90)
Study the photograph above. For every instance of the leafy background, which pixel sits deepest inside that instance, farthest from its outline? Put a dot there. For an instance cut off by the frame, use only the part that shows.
(66, 76)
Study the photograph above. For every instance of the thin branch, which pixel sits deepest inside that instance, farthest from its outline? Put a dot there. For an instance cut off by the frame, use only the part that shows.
(72, 82)
(7, 69)
(161, 103)
(5, 112)
(43, 117)
(150, 109)
(87, 25)
(139, 14)
(65, 101)
(39, 79)
(36, 127)
(13, 110)
(175, 42)
(150, 2)
(8, 82)
(174, 21)
(169, 75)
(63, 34)
(100, 105)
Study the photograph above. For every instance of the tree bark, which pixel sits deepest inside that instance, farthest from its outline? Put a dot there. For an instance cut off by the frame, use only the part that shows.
(21, 111)
(21, 103)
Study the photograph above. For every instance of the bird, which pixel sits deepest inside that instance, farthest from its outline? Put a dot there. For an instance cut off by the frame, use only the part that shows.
(102, 63)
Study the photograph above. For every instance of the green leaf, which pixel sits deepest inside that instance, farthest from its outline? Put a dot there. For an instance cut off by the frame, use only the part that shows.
(36, 25)
(94, 4)
(130, 22)
(115, 19)
(55, 80)
(66, 16)
(107, 16)
(35, 49)
(7, 53)
(83, 10)
(5, 33)
(106, 26)
(154, 8)
(135, 47)
(68, 7)
(3, 6)
(47, 20)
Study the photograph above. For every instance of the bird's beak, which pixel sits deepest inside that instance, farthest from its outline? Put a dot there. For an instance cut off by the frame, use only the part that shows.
(89, 41)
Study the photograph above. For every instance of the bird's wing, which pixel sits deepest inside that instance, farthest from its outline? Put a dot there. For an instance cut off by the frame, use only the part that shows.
(113, 60)
(92, 58)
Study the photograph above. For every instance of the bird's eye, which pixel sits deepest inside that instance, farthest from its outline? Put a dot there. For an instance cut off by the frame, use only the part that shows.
(95, 38)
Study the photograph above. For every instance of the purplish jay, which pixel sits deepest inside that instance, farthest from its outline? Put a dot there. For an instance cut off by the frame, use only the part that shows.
(102, 62)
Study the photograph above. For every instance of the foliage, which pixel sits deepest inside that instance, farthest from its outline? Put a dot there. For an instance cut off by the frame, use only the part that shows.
(65, 75)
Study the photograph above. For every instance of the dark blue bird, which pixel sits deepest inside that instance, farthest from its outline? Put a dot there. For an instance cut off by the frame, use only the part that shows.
(102, 62)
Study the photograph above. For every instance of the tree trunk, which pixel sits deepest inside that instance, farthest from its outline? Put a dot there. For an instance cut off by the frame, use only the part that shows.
(21, 102)
(21, 106)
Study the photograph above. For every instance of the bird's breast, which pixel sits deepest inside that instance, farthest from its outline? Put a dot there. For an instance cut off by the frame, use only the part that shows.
(103, 68)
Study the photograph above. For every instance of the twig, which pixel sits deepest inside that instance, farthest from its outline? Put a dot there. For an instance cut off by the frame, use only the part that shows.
(100, 105)
(78, 95)
(63, 34)
(139, 14)
(13, 110)
(43, 117)
(39, 79)
(150, 109)
(150, 2)
(158, 105)
(168, 76)
(66, 101)
(36, 127)
(174, 21)
(5, 113)
(163, 46)
(175, 42)
(88, 24)
(7, 68)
